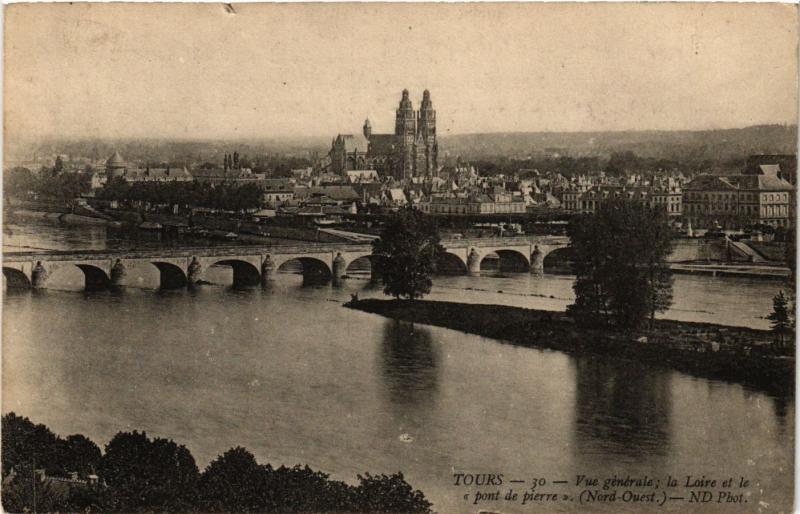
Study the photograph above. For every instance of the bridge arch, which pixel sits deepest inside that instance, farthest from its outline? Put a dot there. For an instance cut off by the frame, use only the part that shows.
(171, 276)
(313, 270)
(507, 260)
(95, 278)
(365, 265)
(558, 260)
(64, 276)
(450, 264)
(16, 279)
(245, 274)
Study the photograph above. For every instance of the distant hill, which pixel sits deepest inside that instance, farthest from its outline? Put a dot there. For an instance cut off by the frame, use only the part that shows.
(729, 145)
(165, 150)
(684, 145)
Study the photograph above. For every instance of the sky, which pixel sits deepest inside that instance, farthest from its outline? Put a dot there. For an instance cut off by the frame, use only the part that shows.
(288, 70)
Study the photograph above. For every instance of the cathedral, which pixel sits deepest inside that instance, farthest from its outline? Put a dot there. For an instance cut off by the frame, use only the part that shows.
(412, 151)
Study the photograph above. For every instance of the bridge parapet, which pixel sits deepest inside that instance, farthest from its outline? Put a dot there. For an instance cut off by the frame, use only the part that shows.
(505, 242)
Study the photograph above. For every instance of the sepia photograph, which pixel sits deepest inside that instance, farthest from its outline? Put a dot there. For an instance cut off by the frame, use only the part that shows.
(454, 258)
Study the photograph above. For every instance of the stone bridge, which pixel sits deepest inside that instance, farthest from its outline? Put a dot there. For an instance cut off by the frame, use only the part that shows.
(253, 265)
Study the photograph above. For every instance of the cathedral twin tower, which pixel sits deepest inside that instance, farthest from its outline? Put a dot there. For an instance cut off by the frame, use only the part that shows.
(412, 151)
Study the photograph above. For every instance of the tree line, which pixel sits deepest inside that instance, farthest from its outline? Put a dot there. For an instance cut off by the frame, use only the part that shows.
(142, 474)
(61, 187)
(228, 196)
(617, 164)
(65, 187)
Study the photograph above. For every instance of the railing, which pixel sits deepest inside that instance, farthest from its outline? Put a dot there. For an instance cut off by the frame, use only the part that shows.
(504, 241)
(167, 253)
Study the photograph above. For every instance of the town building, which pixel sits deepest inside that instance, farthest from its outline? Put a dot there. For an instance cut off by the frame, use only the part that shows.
(736, 201)
(571, 198)
(669, 197)
(475, 204)
(148, 174)
(333, 195)
(786, 166)
(115, 166)
(362, 176)
(394, 197)
(277, 197)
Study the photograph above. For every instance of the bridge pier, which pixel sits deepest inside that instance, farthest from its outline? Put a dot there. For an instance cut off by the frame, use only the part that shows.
(473, 262)
(38, 276)
(537, 261)
(338, 269)
(193, 272)
(118, 273)
(267, 268)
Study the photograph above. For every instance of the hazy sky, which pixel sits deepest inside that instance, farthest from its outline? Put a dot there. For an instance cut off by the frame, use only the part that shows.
(319, 69)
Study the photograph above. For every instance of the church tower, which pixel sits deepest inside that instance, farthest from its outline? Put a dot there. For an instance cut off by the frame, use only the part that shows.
(405, 131)
(426, 127)
(367, 129)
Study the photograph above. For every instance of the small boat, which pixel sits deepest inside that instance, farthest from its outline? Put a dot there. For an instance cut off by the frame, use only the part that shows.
(222, 234)
(324, 222)
(150, 225)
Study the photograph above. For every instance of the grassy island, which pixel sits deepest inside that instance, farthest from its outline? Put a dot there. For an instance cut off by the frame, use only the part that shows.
(707, 350)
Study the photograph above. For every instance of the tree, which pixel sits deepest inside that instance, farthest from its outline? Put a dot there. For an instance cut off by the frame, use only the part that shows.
(28, 447)
(234, 482)
(116, 188)
(382, 493)
(26, 492)
(18, 181)
(622, 163)
(81, 455)
(301, 489)
(621, 274)
(27, 444)
(153, 475)
(780, 317)
(408, 249)
(790, 253)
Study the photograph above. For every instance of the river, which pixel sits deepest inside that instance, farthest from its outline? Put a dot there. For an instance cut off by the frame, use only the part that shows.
(296, 378)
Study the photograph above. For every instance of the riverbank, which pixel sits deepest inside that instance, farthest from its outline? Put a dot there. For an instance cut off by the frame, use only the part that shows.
(706, 350)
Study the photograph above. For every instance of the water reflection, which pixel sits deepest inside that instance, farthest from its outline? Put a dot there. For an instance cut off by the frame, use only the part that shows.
(622, 407)
(409, 365)
(781, 406)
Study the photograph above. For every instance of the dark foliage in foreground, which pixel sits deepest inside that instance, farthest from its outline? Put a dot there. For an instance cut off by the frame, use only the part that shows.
(158, 475)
